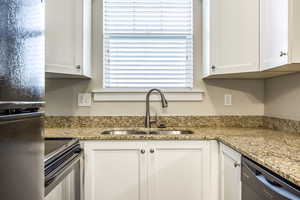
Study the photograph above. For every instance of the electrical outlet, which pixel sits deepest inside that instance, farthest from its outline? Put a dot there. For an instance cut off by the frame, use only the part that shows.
(84, 99)
(227, 100)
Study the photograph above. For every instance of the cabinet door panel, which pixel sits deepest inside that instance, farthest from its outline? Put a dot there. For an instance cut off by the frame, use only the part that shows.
(66, 190)
(230, 174)
(234, 36)
(273, 33)
(61, 34)
(68, 38)
(115, 171)
(58, 193)
(176, 171)
(71, 187)
(294, 39)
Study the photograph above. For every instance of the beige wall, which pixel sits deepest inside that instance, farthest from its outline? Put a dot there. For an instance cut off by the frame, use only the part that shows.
(282, 97)
(248, 95)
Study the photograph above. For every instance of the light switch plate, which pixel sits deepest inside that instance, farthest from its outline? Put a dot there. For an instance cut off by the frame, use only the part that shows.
(84, 99)
(227, 100)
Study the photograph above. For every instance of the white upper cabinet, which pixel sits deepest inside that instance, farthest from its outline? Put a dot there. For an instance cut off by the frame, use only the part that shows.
(294, 34)
(230, 36)
(68, 38)
(257, 36)
(274, 33)
(280, 35)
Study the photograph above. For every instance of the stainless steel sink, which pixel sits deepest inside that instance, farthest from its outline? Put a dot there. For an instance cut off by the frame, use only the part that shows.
(139, 132)
(172, 132)
(124, 132)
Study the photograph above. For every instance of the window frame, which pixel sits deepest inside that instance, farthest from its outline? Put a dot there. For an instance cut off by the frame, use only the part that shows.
(118, 94)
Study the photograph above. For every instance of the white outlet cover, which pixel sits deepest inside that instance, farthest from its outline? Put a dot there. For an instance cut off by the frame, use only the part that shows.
(228, 100)
(84, 99)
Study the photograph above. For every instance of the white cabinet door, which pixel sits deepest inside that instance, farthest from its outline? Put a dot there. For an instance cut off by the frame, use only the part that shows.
(294, 31)
(115, 171)
(177, 170)
(274, 20)
(230, 164)
(231, 36)
(144, 170)
(70, 186)
(68, 37)
(66, 190)
(58, 193)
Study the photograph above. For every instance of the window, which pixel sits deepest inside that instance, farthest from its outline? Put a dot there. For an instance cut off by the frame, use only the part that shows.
(148, 43)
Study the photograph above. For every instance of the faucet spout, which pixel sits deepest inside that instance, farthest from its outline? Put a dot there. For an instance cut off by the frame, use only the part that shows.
(164, 104)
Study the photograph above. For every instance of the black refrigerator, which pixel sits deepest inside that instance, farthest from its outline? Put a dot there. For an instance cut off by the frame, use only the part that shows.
(21, 99)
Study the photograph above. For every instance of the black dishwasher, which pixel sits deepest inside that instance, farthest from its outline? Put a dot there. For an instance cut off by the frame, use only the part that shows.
(258, 183)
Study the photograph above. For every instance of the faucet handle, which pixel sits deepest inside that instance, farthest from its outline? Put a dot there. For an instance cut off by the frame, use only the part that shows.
(161, 126)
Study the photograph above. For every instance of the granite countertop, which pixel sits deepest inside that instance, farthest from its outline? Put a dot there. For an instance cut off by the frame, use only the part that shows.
(278, 151)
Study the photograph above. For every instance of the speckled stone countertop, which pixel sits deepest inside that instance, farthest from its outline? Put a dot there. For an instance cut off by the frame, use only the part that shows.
(278, 151)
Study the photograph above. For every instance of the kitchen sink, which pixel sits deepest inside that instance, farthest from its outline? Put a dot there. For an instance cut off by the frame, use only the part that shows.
(172, 132)
(124, 132)
(139, 132)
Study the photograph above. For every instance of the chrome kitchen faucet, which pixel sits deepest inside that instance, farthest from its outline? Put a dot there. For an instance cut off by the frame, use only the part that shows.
(164, 104)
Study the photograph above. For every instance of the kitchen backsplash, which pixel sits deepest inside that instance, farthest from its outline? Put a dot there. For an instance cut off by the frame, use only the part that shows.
(138, 121)
(174, 121)
(282, 124)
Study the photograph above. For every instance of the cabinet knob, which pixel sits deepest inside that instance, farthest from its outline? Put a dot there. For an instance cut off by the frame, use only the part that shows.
(236, 164)
(143, 151)
(283, 53)
(151, 150)
(78, 66)
(213, 67)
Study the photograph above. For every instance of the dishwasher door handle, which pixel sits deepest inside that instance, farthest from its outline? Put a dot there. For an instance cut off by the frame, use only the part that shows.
(273, 188)
(276, 188)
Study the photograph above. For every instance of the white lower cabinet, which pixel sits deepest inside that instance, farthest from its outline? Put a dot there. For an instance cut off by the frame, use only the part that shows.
(230, 179)
(147, 170)
(58, 193)
(115, 170)
(177, 170)
(161, 170)
(65, 190)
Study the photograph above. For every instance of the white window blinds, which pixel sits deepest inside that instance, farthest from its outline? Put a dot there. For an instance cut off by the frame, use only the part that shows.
(148, 43)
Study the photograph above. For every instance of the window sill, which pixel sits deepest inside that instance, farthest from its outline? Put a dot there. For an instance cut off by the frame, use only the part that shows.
(139, 95)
